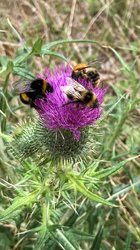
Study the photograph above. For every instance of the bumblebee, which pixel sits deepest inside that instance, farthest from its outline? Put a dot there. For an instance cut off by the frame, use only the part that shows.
(86, 71)
(32, 90)
(77, 93)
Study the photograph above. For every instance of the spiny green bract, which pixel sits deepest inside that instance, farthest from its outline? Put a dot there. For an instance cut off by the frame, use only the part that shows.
(32, 139)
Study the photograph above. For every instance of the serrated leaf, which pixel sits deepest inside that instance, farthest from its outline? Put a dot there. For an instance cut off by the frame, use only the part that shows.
(17, 204)
(78, 185)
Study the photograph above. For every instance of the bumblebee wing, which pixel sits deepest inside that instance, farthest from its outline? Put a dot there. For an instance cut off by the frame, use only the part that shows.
(22, 86)
(96, 61)
(75, 85)
(70, 91)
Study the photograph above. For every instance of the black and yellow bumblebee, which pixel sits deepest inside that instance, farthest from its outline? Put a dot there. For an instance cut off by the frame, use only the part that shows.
(31, 90)
(87, 72)
(77, 93)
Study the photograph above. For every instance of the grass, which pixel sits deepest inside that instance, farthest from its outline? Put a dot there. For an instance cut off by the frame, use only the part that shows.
(95, 203)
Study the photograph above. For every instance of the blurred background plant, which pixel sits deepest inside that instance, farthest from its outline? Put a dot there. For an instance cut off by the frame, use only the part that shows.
(51, 205)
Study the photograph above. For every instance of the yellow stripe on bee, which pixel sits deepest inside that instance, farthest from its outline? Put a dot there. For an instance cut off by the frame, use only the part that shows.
(94, 97)
(44, 86)
(92, 101)
(24, 97)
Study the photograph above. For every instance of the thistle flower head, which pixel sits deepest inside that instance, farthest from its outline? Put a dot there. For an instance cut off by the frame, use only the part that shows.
(57, 114)
(62, 132)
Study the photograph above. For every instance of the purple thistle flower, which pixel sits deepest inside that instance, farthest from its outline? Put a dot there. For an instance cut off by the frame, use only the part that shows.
(56, 115)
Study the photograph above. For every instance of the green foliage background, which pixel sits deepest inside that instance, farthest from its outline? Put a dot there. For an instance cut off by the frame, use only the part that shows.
(92, 202)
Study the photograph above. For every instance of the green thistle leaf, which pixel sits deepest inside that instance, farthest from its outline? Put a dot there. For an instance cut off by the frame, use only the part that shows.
(18, 204)
(78, 185)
